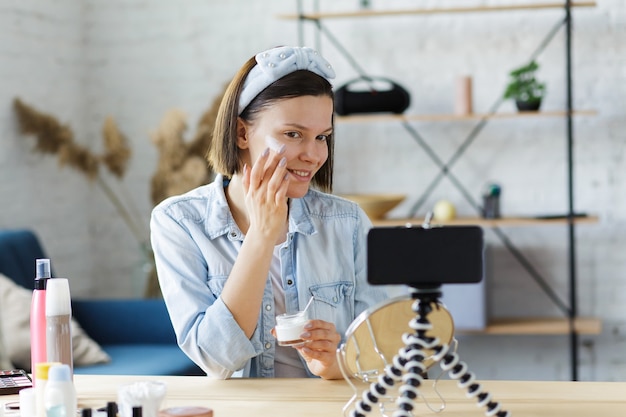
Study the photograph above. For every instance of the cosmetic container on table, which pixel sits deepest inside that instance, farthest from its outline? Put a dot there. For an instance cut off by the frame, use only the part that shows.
(38, 349)
(40, 386)
(58, 315)
(60, 394)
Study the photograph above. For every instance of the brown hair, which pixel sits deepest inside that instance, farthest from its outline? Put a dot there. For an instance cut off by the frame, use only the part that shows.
(223, 155)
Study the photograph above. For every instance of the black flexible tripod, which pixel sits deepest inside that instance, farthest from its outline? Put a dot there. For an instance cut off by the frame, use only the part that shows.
(408, 365)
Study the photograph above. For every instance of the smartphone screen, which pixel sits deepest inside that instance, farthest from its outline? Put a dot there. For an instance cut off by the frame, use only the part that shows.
(425, 256)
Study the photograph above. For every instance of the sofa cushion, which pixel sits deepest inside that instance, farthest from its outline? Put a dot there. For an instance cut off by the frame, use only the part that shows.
(18, 250)
(5, 363)
(15, 328)
(125, 321)
(138, 359)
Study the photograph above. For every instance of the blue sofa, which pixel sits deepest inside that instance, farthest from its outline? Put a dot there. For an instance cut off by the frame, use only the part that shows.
(136, 333)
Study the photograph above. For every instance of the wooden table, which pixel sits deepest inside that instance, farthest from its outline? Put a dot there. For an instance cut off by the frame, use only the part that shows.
(315, 397)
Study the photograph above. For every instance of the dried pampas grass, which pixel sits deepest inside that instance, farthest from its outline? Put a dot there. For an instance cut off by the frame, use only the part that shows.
(182, 165)
(53, 137)
(117, 151)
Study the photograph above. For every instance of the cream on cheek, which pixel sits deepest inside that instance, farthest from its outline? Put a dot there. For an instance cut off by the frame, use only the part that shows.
(274, 144)
(271, 143)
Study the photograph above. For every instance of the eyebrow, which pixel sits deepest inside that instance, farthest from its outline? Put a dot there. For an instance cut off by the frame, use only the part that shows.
(301, 127)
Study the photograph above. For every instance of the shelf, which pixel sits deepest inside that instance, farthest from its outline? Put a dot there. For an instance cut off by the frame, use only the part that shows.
(518, 326)
(539, 326)
(380, 117)
(478, 221)
(436, 10)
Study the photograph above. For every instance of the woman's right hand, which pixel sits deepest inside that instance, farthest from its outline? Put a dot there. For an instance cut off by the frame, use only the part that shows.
(265, 188)
(265, 197)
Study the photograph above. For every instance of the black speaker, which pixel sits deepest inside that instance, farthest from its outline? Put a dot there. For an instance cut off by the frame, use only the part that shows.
(371, 95)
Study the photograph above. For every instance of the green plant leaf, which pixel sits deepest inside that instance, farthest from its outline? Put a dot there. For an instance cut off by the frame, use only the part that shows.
(523, 85)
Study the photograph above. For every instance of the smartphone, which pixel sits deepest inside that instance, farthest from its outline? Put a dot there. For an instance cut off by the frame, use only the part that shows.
(425, 256)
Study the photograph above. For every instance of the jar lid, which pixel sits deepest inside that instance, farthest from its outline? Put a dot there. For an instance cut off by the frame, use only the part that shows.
(42, 368)
(190, 411)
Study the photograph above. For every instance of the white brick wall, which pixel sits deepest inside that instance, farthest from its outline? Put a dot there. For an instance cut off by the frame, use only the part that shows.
(41, 55)
(134, 60)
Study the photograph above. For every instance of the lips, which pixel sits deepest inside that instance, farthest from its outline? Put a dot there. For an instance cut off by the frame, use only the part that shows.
(303, 175)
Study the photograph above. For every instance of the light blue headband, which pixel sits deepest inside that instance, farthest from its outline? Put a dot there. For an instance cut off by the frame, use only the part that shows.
(275, 63)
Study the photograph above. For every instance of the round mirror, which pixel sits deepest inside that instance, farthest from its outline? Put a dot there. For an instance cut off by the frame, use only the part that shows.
(375, 336)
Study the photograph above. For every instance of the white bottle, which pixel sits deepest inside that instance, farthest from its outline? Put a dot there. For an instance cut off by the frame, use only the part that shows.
(59, 394)
(40, 386)
(58, 329)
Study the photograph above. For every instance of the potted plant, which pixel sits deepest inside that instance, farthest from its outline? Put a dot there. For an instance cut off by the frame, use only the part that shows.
(524, 88)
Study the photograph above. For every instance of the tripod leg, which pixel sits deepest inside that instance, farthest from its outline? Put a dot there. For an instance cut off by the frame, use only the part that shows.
(412, 360)
(457, 370)
(377, 389)
(408, 367)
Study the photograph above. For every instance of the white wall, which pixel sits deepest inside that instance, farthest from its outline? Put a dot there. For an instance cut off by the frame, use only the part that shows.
(134, 60)
(41, 61)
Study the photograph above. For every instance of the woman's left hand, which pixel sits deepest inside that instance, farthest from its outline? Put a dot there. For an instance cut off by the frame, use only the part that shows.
(320, 350)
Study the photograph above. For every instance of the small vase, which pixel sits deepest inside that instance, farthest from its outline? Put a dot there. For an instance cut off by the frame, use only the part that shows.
(463, 96)
(528, 105)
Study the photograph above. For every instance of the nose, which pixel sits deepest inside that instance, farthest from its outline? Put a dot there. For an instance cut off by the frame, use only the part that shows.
(313, 151)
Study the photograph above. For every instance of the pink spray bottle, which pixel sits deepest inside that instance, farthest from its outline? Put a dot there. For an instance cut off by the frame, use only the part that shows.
(38, 352)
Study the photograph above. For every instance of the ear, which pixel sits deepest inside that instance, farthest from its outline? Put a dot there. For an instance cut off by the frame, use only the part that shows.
(242, 134)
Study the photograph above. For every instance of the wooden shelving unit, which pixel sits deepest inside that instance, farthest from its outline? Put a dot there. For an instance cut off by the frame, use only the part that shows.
(539, 326)
(478, 221)
(376, 118)
(571, 324)
(435, 10)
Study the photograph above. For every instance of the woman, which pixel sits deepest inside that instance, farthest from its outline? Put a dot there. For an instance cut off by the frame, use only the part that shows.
(259, 241)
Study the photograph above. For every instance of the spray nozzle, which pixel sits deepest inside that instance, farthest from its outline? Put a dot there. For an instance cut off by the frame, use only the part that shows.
(42, 273)
(42, 268)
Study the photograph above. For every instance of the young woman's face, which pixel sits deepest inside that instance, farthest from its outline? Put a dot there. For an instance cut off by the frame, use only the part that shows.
(303, 124)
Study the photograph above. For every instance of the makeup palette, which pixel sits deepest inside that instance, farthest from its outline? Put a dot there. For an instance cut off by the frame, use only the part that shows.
(13, 380)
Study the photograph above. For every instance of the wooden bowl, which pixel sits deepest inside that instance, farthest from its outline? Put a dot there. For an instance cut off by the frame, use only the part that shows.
(376, 206)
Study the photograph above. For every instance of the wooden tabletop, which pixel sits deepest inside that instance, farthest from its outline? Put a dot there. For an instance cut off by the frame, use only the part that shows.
(315, 397)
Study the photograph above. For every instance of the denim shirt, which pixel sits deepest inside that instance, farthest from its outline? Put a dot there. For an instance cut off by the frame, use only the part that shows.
(196, 242)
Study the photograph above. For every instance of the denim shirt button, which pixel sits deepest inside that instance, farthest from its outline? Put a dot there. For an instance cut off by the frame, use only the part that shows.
(268, 307)
(268, 345)
(233, 234)
(289, 282)
(335, 299)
